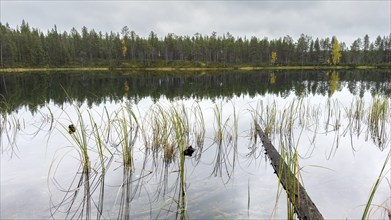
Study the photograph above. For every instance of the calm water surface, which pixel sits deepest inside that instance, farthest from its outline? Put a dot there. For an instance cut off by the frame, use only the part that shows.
(42, 177)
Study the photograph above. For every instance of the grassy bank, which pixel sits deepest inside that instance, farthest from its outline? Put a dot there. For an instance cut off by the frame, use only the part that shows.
(187, 68)
(47, 69)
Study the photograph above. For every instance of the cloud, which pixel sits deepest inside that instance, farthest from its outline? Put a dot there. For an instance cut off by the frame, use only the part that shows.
(347, 20)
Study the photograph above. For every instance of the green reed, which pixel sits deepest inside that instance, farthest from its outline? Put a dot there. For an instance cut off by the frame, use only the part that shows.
(168, 130)
(126, 128)
(98, 136)
(287, 118)
(10, 126)
(303, 115)
(179, 120)
(378, 116)
(381, 176)
(297, 113)
(225, 128)
(80, 138)
(219, 124)
(161, 129)
(286, 157)
(358, 114)
(199, 127)
(290, 156)
(235, 134)
(268, 118)
(256, 118)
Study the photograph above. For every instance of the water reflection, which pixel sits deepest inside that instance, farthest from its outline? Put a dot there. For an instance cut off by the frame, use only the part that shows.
(334, 82)
(37, 89)
(152, 178)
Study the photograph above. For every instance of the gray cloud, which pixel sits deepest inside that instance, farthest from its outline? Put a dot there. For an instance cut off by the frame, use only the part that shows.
(347, 20)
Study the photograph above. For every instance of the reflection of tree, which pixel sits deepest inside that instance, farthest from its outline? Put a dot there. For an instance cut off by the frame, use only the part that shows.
(273, 78)
(35, 90)
(334, 81)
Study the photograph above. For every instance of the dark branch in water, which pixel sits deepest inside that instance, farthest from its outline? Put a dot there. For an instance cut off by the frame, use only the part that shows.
(304, 207)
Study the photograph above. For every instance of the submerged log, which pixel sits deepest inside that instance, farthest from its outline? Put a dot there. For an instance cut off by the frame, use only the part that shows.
(304, 207)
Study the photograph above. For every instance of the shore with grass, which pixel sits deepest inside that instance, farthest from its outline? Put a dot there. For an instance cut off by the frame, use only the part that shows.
(244, 68)
(193, 67)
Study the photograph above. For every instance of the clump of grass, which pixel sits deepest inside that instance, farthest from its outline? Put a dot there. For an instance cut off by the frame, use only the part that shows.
(80, 139)
(378, 115)
(355, 115)
(287, 119)
(225, 138)
(199, 128)
(235, 134)
(268, 118)
(333, 115)
(98, 135)
(333, 123)
(161, 131)
(85, 181)
(290, 189)
(313, 113)
(220, 125)
(256, 118)
(168, 152)
(180, 128)
(126, 128)
(10, 126)
(290, 156)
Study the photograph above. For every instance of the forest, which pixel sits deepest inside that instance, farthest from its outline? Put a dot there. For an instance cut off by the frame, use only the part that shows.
(25, 46)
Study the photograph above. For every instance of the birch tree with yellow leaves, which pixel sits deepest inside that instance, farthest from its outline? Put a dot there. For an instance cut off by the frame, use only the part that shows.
(335, 52)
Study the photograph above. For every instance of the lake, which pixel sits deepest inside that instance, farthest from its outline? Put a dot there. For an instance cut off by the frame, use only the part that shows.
(123, 155)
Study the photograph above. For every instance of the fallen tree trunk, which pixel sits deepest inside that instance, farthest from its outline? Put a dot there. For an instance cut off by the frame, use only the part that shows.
(304, 207)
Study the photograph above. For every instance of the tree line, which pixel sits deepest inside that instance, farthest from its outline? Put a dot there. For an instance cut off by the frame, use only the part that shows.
(29, 47)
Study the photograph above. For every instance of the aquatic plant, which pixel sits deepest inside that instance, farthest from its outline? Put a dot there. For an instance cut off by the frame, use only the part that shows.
(378, 115)
(87, 135)
(13, 125)
(165, 130)
(198, 128)
(219, 126)
(381, 176)
(355, 116)
(10, 126)
(268, 118)
(181, 129)
(126, 128)
(161, 129)
(79, 137)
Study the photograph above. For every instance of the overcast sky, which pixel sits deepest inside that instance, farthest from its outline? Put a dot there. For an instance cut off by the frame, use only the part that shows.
(347, 20)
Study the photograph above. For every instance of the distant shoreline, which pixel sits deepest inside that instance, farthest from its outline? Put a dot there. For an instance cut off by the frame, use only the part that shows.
(163, 69)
